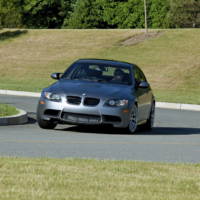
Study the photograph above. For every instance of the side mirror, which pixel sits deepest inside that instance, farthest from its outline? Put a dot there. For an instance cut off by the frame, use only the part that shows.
(143, 85)
(56, 76)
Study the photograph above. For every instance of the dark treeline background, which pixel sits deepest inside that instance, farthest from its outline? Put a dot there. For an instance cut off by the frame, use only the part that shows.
(98, 13)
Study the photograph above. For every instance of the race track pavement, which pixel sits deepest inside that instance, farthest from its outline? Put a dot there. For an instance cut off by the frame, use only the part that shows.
(175, 138)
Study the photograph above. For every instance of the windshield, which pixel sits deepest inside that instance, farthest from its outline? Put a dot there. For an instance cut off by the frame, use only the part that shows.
(99, 73)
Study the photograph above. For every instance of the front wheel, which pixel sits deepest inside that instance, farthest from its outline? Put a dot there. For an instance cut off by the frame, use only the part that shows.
(51, 124)
(132, 127)
(150, 121)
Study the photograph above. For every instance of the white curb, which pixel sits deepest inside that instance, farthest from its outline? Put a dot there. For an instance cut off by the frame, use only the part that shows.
(19, 93)
(176, 106)
(168, 105)
(20, 118)
(190, 107)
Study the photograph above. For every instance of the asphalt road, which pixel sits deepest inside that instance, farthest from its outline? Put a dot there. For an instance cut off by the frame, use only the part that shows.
(175, 138)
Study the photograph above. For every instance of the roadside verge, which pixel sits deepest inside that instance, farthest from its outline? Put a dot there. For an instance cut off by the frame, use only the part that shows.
(165, 105)
(18, 119)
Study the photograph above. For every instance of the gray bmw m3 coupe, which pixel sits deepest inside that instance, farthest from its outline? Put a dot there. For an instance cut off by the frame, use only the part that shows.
(94, 92)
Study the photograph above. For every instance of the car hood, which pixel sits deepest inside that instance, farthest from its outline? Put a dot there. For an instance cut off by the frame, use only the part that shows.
(92, 89)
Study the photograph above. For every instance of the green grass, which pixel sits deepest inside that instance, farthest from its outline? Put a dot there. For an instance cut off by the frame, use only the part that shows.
(7, 110)
(60, 179)
(171, 61)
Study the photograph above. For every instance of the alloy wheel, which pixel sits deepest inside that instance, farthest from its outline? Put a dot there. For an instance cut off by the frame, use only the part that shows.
(133, 120)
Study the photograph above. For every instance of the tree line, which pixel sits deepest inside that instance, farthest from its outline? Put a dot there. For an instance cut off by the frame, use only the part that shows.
(99, 13)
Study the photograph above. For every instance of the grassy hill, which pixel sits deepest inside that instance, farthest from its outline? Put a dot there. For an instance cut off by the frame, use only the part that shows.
(171, 61)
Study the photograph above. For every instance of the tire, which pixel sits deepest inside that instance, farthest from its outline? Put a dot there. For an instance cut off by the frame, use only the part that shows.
(132, 127)
(51, 124)
(150, 121)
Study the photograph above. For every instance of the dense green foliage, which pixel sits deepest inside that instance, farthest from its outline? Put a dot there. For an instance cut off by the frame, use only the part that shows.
(34, 13)
(184, 13)
(99, 13)
(158, 14)
(126, 15)
(87, 14)
(45, 13)
(11, 13)
(117, 14)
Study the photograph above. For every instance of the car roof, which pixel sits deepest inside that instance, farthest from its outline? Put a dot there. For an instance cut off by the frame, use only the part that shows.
(105, 61)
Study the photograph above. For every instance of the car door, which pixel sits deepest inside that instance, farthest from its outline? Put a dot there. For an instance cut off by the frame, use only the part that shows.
(143, 95)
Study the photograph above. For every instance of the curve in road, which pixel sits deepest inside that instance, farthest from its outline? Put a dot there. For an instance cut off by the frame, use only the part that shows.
(175, 138)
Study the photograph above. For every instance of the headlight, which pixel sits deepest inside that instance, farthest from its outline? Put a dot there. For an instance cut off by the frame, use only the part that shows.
(52, 96)
(117, 102)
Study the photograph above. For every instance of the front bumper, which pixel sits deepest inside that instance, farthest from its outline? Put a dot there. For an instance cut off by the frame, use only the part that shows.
(80, 114)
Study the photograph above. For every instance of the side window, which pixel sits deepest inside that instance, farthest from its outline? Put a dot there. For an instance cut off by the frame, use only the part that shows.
(138, 75)
(142, 76)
